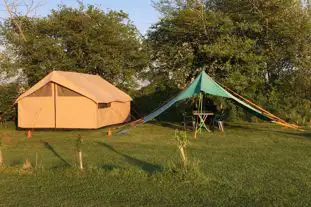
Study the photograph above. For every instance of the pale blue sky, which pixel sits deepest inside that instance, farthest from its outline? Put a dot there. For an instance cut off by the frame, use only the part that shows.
(141, 12)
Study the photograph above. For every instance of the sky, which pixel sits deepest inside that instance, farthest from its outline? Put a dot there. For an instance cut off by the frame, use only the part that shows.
(140, 12)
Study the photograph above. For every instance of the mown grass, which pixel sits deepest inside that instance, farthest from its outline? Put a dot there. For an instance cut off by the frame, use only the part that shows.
(249, 165)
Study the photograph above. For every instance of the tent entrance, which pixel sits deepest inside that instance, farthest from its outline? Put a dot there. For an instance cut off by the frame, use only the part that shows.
(73, 110)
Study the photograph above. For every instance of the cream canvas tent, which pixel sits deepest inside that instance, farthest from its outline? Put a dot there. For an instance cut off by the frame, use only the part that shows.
(72, 100)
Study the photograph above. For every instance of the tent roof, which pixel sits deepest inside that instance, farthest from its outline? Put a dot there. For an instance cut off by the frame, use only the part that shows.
(91, 86)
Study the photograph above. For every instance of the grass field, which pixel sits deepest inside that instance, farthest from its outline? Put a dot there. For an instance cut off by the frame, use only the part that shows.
(249, 165)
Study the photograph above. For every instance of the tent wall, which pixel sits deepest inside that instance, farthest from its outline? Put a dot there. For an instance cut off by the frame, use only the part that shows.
(37, 110)
(113, 113)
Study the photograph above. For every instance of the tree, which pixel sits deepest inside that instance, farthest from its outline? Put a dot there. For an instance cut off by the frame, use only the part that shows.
(8, 95)
(86, 40)
(187, 41)
(256, 47)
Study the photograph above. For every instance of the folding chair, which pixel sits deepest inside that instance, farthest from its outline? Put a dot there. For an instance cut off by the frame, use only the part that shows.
(188, 119)
(219, 120)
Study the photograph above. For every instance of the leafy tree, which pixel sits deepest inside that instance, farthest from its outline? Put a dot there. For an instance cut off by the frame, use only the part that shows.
(258, 48)
(86, 40)
(8, 95)
(187, 41)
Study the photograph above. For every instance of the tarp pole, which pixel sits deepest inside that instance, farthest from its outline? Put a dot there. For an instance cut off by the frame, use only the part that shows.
(200, 111)
(54, 87)
(265, 112)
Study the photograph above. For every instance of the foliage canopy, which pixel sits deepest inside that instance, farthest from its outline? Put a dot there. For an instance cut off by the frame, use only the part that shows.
(259, 48)
(86, 40)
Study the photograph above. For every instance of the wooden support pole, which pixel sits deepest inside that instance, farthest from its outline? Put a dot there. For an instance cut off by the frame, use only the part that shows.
(183, 157)
(80, 160)
(266, 113)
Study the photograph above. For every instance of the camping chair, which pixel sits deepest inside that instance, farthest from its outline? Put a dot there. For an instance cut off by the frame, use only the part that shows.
(188, 119)
(219, 119)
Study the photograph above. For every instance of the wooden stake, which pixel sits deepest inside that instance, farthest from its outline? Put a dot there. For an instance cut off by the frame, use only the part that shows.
(36, 160)
(183, 156)
(80, 160)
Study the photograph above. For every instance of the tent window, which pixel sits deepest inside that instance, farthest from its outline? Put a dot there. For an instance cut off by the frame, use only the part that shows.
(43, 91)
(62, 91)
(104, 105)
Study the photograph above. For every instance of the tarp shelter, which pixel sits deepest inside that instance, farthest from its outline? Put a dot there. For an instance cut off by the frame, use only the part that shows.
(204, 83)
(72, 100)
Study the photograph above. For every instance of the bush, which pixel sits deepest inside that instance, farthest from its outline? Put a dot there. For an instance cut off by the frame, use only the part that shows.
(8, 95)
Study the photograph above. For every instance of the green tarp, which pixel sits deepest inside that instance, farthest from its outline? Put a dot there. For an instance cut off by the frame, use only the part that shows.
(207, 85)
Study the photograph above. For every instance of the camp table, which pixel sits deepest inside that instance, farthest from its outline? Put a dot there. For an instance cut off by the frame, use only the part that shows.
(202, 118)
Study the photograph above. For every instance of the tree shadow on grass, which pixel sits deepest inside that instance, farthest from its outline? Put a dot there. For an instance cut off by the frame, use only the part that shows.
(172, 125)
(148, 167)
(49, 147)
(110, 167)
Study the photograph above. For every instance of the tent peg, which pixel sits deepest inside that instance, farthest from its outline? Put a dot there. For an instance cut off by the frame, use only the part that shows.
(29, 134)
(109, 133)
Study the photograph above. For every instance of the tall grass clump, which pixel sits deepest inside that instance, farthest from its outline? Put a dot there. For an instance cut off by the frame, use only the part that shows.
(182, 144)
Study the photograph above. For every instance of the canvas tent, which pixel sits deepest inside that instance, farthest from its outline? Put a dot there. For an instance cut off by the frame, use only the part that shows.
(204, 83)
(72, 100)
